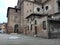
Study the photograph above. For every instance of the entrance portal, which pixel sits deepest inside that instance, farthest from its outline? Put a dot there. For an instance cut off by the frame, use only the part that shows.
(35, 29)
(16, 28)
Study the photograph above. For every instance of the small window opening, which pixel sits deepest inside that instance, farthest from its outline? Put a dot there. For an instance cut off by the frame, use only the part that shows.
(16, 10)
(44, 25)
(35, 22)
(46, 7)
(31, 26)
(38, 9)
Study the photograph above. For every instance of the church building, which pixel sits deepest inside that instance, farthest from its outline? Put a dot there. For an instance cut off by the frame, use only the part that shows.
(39, 18)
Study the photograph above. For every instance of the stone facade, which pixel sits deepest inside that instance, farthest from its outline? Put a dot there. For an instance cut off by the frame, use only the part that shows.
(28, 7)
(35, 17)
(43, 26)
(14, 20)
(3, 27)
(51, 7)
(35, 24)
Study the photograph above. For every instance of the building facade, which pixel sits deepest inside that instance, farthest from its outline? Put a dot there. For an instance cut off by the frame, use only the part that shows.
(43, 26)
(14, 20)
(36, 17)
(3, 27)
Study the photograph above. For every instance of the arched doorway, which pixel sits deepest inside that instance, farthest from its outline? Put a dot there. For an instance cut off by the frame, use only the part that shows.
(16, 28)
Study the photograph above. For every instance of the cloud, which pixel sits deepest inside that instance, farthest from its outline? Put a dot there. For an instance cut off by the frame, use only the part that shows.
(10, 3)
(3, 17)
(1, 4)
(4, 4)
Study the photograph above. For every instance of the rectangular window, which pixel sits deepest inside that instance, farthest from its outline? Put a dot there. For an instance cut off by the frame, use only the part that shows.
(16, 10)
(28, 27)
(44, 25)
(31, 26)
(35, 22)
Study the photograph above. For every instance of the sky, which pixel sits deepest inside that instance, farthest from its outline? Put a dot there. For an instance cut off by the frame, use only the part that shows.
(4, 4)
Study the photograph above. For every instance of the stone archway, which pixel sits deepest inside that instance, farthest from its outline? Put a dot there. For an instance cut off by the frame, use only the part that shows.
(16, 28)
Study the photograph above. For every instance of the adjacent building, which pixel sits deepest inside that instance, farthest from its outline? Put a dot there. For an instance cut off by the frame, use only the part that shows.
(3, 27)
(14, 20)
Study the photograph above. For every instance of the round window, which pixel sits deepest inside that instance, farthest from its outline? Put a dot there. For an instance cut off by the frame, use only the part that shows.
(38, 9)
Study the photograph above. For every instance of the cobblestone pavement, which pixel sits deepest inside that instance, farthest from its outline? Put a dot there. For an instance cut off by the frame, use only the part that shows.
(26, 40)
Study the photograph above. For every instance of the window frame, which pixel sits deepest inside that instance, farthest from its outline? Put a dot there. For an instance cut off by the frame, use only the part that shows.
(35, 22)
(44, 25)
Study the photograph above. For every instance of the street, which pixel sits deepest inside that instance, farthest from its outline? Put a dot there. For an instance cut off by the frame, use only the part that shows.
(19, 39)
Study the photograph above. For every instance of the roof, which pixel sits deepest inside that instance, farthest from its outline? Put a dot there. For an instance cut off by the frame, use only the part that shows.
(31, 2)
(36, 15)
(55, 13)
(34, 2)
(46, 2)
(11, 8)
(54, 20)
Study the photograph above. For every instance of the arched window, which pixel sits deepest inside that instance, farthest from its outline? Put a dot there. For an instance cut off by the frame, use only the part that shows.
(46, 7)
(38, 9)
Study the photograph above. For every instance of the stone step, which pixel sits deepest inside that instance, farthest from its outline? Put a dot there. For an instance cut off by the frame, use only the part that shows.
(13, 33)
